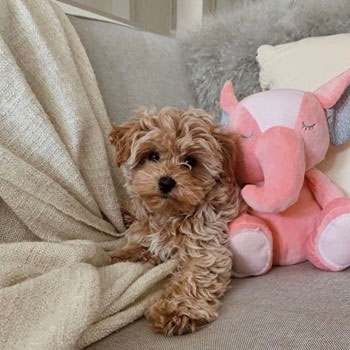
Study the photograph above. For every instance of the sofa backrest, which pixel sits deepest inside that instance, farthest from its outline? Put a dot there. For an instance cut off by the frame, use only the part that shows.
(134, 68)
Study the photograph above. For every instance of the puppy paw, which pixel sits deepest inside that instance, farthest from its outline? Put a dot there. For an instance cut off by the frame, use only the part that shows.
(169, 319)
(134, 255)
(120, 255)
(128, 218)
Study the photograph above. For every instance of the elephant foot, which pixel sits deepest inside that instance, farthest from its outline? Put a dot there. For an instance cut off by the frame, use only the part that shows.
(332, 242)
(251, 245)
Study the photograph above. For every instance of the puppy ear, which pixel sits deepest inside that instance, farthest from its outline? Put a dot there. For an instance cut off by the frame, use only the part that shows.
(227, 141)
(122, 137)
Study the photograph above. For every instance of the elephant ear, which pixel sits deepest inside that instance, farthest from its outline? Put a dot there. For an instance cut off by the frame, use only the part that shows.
(329, 93)
(339, 120)
(334, 96)
(228, 100)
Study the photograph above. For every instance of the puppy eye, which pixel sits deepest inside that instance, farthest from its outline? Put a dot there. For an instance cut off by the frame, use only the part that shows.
(153, 156)
(307, 127)
(190, 161)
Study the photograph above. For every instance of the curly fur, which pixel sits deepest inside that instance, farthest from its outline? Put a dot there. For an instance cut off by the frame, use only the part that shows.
(190, 223)
(224, 48)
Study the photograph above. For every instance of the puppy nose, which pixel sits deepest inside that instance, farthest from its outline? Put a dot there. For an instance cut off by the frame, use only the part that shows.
(166, 184)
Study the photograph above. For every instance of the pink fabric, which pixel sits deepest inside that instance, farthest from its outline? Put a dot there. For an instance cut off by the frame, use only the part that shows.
(280, 152)
(299, 214)
(228, 100)
(334, 243)
(326, 219)
(323, 189)
(329, 93)
(246, 221)
(252, 246)
(290, 229)
(242, 122)
(276, 107)
(312, 126)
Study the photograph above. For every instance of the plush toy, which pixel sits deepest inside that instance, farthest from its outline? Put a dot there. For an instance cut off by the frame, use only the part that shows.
(296, 213)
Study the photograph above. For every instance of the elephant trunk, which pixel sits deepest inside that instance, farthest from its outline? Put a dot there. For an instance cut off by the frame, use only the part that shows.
(281, 154)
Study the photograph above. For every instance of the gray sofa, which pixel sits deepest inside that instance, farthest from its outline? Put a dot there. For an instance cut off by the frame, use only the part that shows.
(296, 307)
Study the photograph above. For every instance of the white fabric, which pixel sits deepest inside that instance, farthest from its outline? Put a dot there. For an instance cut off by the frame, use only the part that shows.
(334, 242)
(59, 192)
(272, 108)
(306, 65)
(252, 253)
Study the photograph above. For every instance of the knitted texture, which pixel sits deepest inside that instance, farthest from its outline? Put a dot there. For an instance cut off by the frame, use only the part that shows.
(59, 192)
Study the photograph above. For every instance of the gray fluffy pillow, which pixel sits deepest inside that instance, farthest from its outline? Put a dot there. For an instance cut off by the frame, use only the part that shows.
(225, 47)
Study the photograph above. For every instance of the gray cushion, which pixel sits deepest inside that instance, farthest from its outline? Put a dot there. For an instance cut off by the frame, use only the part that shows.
(224, 48)
(294, 307)
(134, 68)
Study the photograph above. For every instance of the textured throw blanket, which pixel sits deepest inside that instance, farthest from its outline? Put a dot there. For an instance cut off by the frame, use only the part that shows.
(59, 192)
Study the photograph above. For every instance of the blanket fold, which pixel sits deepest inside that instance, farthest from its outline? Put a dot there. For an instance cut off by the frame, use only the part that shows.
(60, 192)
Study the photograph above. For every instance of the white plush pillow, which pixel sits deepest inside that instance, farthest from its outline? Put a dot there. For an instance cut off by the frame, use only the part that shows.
(307, 64)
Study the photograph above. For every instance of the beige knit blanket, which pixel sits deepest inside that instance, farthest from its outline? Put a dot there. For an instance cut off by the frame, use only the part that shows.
(59, 192)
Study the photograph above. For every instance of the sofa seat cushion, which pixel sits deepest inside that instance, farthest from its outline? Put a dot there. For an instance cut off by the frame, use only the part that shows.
(293, 307)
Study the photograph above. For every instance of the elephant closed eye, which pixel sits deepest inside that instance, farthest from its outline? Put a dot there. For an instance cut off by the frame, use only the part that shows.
(307, 127)
(246, 137)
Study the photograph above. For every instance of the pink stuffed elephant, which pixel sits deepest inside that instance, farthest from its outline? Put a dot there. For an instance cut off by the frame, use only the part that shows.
(297, 213)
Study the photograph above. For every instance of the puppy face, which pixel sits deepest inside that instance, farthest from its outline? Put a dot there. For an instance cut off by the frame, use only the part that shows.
(174, 159)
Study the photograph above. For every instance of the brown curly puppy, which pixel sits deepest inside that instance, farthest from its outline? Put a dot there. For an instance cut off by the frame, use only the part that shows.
(179, 169)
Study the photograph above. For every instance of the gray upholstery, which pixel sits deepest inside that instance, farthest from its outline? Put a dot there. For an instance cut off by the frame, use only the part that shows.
(134, 68)
(293, 307)
(296, 307)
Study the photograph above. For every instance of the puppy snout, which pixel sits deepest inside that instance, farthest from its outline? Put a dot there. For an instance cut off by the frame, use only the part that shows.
(166, 184)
